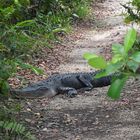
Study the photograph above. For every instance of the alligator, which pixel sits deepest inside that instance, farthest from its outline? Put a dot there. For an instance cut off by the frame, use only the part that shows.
(67, 83)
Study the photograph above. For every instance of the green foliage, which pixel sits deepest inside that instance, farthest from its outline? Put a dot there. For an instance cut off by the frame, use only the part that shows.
(25, 23)
(129, 40)
(89, 56)
(133, 11)
(14, 129)
(116, 87)
(80, 9)
(125, 60)
(9, 128)
(102, 63)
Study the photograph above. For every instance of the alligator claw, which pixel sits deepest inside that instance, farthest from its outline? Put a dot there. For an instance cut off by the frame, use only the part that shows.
(72, 94)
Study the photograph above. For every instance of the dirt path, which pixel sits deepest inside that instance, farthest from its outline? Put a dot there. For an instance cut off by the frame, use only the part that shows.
(90, 116)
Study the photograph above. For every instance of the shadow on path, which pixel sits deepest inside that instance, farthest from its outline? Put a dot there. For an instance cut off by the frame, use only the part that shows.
(90, 115)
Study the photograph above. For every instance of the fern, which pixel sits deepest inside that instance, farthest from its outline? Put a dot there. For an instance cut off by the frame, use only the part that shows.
(14, 128)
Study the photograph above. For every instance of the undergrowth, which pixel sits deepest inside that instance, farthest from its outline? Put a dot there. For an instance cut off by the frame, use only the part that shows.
(10, 129)
(25, 26)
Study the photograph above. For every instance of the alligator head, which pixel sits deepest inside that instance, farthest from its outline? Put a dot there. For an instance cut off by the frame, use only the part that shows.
(31, 92)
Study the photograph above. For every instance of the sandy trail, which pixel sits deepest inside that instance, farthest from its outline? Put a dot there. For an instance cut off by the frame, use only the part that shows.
(91, 115)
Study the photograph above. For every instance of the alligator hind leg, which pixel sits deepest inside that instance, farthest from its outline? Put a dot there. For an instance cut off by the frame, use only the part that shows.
(88, 85)
(70, 92)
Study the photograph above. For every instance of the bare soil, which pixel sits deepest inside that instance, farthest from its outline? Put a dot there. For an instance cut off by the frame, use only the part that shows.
(90, 115)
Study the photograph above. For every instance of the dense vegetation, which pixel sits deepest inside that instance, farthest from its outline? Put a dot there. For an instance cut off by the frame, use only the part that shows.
(25, 26)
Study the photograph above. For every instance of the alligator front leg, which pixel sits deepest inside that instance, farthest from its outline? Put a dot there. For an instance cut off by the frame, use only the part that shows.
(70, 92)
(87, 84)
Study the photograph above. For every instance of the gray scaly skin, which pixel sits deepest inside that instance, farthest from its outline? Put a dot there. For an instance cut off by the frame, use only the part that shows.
(63, 83)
